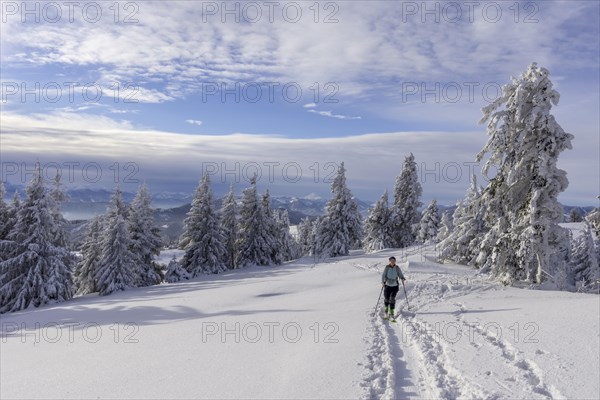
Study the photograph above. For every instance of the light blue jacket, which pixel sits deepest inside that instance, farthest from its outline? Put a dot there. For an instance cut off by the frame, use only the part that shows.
(391, 275)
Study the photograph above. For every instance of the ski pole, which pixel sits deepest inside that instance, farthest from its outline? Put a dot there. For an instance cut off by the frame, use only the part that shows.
(404, 287)
(377, 305)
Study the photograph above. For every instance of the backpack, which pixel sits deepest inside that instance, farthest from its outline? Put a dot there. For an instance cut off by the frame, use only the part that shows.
(397, 272)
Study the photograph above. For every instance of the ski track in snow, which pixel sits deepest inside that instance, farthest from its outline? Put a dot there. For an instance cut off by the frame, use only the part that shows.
(527, 372)
(386, 375)
(390, 360)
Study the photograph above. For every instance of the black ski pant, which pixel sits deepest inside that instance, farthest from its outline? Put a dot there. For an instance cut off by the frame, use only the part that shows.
(389, 295)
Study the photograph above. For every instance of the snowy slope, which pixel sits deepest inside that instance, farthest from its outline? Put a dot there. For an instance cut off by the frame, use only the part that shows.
(304, 331)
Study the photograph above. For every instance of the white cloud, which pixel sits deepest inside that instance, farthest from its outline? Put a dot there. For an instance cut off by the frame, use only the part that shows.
(332, 115)
(310, 105)
(194, 122)
(368, 46)
(373, 160)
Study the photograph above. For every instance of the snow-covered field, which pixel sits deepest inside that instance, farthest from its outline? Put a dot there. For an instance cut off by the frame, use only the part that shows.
(307, 331)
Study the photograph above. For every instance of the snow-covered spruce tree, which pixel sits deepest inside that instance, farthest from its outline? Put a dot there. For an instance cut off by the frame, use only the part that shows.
(35, 271)
(316, 248)
(463, 244)
(288, 247)
(305, 238)
(446, 227)
(58, 196)
(430, 223)
(524, 143)
(205, 250)
(379, 226)
(117, 266)
(229, 228)
(407, 200)
(584, 261)
(341, 229)
(84, 275)
(575, 215)
(594, 219)
(271, 231)
(145, 239)
(13, 211)
(4, 215)
(252, 248)
(175, 272)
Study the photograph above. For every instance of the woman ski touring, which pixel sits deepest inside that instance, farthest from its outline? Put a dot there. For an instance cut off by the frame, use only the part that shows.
(390, 279)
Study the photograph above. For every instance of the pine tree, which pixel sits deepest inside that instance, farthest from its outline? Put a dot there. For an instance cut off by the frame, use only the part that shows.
(58, 197)
(35, 271)
(270, 231)
(305, 242)
(317, 232)
(584, 260)
(575, 215)
(175, 272)
(521, 200)
(116, 269)
(446, 227)
(287, 244)
(462, 245)
(341, 229)
(379, 226)
(4, 215)
(430, 223)
(145, 239)
(84, 276)
(407, 200)
(594, 219)
(205, 252)
(229, 228)
(253, 249)
(13, 211)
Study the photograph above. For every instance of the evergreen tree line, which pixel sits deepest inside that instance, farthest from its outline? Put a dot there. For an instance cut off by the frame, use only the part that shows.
(37, 266)
(236, 236)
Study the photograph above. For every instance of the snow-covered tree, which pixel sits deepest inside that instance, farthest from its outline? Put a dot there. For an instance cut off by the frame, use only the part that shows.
(318, 229)
(379, 226)
(175, 272)
(407, 200)
(229, 228)
(446, 227)
(4, 215)
(288, 247)
(575, 215)
(430, 223)
(84, 275)
(341, 229)
(594, 219)
(521, 200)
(304, 240)
(145, 239)
(117, 266)
(35, 271)
(253, 249)
(462, 245)
(584, 260)
(58, 197)
(270, 231)
(205, 250)
(13, 211)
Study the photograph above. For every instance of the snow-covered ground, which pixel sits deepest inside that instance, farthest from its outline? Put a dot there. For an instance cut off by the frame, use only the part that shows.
(307, 331)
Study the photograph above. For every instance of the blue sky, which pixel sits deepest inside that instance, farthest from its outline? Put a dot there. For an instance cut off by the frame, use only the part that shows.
(391, 79)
